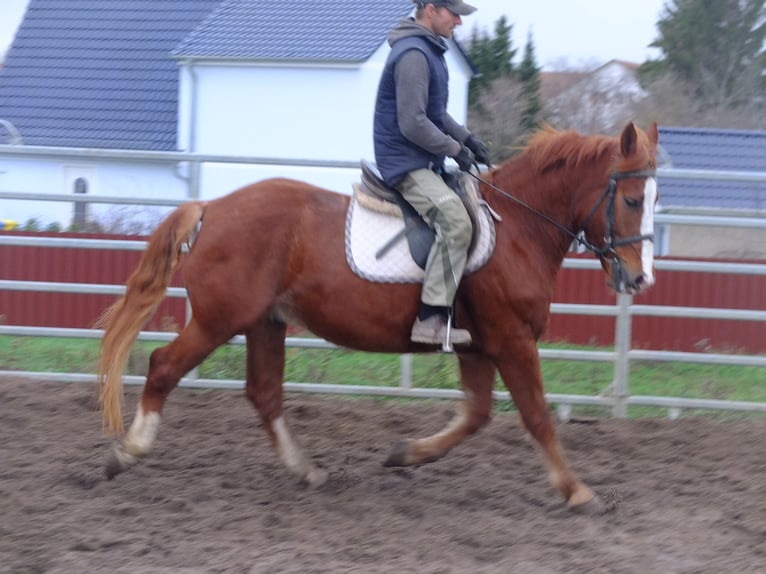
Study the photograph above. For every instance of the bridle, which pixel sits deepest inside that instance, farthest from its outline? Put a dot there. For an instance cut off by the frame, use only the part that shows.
(611, 243)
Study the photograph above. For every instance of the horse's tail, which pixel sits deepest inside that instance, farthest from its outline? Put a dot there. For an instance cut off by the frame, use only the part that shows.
(146, 288)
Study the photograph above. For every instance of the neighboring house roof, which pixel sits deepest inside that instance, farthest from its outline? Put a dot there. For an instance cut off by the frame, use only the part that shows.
(553, 84)
(333, 30)
(714, 149)
(97, 73)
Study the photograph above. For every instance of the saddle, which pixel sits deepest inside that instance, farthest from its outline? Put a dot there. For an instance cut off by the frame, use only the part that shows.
(372, 193)
(378, 221)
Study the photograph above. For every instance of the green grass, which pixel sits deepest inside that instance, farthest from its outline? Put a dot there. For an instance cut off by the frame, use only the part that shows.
(723, 382)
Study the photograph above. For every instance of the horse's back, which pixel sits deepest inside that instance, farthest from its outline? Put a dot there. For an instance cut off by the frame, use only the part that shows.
(275, 196)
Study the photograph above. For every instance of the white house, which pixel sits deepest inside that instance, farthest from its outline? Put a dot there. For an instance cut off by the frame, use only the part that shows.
(293, 81)
(598, 101)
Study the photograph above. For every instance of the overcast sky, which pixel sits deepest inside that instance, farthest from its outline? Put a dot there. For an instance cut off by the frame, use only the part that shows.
(566, 33)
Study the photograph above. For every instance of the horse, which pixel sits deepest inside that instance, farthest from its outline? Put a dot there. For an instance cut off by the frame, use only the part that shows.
(271, 254)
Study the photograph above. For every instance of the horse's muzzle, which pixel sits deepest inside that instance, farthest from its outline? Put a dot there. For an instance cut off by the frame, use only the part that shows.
(623, 280)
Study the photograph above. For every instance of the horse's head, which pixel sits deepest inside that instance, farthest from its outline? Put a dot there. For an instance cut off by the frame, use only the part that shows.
(627, 249)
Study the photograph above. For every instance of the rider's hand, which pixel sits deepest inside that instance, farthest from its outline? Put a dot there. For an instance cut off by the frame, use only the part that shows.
(478, 148)
(465, 159)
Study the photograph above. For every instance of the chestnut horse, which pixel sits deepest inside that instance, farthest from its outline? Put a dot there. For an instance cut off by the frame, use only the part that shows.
(272, 254)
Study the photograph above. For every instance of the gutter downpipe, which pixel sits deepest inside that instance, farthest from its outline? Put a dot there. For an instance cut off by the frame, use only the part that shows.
(192, 177)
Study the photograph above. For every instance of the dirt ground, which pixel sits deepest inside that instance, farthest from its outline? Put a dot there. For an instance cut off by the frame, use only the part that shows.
(213, 497)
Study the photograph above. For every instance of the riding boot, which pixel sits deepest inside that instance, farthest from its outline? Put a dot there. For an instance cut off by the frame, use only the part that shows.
(433, 331)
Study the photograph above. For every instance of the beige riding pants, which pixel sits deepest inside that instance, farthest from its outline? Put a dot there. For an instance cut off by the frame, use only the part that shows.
(442, 209)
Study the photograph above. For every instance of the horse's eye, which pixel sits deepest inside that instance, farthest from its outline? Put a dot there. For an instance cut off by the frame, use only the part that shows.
(633, 203)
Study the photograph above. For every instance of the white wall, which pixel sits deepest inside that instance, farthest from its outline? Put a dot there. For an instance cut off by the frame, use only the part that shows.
(312, 112)
(103, 178)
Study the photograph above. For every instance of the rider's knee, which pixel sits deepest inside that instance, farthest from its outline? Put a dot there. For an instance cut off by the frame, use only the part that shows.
(460, 226)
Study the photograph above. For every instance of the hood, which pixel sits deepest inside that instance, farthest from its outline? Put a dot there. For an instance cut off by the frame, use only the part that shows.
(408, 27)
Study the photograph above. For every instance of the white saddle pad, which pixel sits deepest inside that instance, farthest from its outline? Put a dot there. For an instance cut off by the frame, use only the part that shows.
(368, 231)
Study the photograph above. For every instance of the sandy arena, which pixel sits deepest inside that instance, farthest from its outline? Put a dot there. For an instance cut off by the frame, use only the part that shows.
(212, 497)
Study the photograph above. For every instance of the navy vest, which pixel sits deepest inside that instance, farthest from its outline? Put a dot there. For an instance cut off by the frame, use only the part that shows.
(395, 155)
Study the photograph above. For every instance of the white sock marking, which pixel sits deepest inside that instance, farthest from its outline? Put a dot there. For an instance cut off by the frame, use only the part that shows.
(142, 433)
(288, 451)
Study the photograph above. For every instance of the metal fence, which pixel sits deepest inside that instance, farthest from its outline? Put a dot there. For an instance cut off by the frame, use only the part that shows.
(615, 395)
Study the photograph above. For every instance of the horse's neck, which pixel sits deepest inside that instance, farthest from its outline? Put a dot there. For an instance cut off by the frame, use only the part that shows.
(542, 198)
(563, 195)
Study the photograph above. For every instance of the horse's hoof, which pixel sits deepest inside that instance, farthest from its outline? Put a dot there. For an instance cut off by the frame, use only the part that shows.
(112, 465)
(398, 454)
(316, 477)
(594, 507)
(117, 461)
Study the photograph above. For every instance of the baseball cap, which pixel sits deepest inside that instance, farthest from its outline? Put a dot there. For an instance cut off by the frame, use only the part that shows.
(455, 6)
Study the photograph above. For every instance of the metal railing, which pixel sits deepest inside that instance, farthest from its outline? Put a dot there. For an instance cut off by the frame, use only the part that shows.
(616, 394)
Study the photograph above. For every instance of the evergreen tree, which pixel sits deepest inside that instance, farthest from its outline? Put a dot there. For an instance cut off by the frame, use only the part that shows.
(501, 50)
(529, 76)
(715, 48)
(478, 51)
(491, 55)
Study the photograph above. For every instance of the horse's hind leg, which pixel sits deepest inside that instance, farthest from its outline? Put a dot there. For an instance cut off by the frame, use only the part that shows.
(477, 375)
(166, 367)
(265, 372)
(522, 376)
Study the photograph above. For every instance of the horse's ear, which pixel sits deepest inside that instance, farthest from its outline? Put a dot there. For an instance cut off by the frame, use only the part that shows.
(628, 140)
(653, 133)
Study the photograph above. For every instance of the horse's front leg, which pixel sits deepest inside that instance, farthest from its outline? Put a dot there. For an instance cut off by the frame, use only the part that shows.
(477, 375)
(265, 372)
(521, 373)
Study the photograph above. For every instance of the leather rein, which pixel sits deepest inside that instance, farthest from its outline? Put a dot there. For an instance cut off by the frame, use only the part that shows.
(608, 251)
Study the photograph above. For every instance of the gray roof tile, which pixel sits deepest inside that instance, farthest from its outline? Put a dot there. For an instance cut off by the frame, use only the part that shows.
(714, 149)
(98, 73)
(336, 30)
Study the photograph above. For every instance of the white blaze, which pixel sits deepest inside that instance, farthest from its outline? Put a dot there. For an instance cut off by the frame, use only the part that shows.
(647, 228)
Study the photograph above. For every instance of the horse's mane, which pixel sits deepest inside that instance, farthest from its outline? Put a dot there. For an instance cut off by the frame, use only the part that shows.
(549, 148)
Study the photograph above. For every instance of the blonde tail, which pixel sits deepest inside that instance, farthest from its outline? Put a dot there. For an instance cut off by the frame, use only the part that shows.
(146, 288)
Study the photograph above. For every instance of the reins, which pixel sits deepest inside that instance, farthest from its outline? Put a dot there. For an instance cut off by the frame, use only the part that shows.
(609, 194)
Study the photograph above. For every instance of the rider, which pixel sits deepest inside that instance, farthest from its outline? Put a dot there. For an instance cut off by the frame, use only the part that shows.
(412, 134)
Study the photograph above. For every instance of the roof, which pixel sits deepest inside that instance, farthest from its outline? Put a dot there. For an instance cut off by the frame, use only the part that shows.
(335, 30)
(102, 74)
(553, 84)
(714, 149)
(96, 73)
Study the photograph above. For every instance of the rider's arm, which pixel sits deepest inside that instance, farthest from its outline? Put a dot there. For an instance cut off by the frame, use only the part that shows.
(412, 78)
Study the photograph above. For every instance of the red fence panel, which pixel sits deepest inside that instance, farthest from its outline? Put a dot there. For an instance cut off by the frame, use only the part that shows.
(673, 288)
(72, 265)
(676, 288)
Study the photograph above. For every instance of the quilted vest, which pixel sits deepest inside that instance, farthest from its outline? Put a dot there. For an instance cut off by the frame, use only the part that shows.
(395, 155)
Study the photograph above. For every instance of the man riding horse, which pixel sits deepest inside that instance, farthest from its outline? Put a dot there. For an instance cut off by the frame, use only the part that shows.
(413, 133)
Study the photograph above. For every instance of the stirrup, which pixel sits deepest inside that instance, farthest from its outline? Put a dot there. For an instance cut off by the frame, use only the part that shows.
(447, 345)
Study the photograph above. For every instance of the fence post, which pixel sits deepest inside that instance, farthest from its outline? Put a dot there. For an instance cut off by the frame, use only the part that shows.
(192, 192)
(622, 337)
(405, 371)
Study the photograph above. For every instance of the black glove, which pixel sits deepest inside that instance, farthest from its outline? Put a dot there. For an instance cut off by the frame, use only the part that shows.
(465, 159)
(478, 148)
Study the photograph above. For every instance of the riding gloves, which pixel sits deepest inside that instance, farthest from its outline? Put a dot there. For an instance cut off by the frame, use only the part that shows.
(465, 159)
(480, 151)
